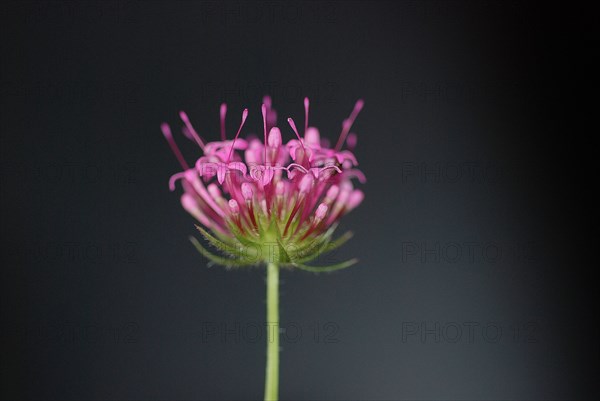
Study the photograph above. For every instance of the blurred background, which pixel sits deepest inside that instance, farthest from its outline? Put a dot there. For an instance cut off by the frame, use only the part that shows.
(474, 279)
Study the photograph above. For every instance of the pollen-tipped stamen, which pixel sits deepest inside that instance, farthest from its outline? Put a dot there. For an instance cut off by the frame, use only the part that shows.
(166, 130)
(306, 104)
(222, 115)
(244, 116)
(347, 124)
(293, 125)
(191, 130)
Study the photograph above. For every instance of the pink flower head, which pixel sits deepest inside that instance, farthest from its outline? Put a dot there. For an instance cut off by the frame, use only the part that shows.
(261, 201)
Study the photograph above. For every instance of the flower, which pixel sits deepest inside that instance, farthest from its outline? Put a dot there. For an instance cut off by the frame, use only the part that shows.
(269, 201)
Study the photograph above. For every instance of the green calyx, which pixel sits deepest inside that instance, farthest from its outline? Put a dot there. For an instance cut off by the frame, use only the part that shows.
(270, 246)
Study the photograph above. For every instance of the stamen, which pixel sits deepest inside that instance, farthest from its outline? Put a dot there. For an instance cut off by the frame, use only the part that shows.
(274, 146)
(340, 203)
(264, 114)
(279, 188)
(192, 177)
(347, 124)
(174, 178)
(292, 214)
(351, 141)
(306, 104)
(293, 125)
(321, 212)
(247, 191)
(215, 192)
(305, 184)
(263, 207)
(304, 187)
(187, 134)
(279, 191)
(191, 206)
(191, 129)
(332, 193)
(223, 113)
(166, 130)
(274, 139)
(355, 199)
(235, 214)
(267, 101)
(233, 205)
(244, 116)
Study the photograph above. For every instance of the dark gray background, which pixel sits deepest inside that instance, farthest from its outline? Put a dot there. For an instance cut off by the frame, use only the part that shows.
(471, 142)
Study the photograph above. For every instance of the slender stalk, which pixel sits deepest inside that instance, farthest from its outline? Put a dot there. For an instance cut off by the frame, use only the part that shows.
(272, 370)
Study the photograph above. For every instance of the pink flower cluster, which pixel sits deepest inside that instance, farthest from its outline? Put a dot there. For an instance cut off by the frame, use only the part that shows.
(241, 188)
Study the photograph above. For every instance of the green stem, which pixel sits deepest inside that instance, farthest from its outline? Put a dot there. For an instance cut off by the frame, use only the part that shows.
(272, 370)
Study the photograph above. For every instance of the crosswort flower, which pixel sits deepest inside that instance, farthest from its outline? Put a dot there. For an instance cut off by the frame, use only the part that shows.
(269, 201)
